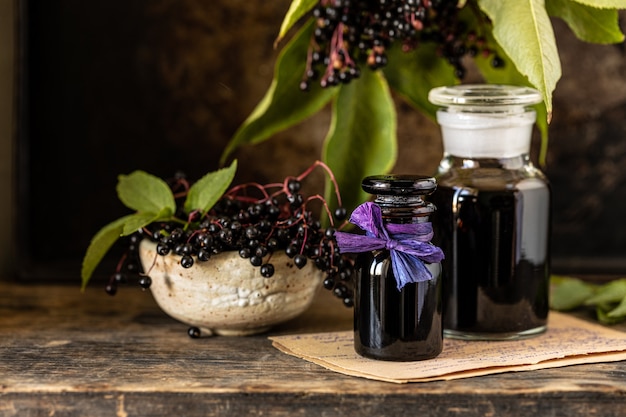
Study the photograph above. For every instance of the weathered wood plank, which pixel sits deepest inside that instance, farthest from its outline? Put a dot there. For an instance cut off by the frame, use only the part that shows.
(64, 353)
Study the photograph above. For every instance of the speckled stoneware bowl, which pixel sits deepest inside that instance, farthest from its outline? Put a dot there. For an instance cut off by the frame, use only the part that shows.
(226, 295)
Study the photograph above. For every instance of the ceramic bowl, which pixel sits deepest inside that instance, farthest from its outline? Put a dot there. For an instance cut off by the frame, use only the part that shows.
(226, 295)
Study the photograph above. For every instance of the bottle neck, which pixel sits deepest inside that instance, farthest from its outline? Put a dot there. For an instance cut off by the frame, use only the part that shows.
(517, 162)
(486, 135)
(404, 209)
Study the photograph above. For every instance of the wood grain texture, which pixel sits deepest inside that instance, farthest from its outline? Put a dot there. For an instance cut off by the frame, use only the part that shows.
(64, 353)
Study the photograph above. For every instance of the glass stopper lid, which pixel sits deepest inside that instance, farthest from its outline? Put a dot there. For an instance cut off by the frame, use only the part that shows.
(399, 184)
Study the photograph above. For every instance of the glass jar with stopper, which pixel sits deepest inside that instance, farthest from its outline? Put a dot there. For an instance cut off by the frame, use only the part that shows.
(397, 310)
(493, 217)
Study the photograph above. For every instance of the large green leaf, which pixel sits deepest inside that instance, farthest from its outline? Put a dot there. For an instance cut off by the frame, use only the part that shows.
(524, 31)
(144, 192)
(297, 9)
(413, 74)
(284, 104)
(603, 4)
(362, 137)
(588, 23)
(99, 246)
(507, 73)
(205, 192)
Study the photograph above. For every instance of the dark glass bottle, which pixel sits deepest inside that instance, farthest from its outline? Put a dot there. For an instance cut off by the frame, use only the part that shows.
(392, 324)
(493, 214)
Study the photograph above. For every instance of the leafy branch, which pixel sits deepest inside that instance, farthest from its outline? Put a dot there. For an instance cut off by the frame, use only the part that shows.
(362, 135)
(152, 200)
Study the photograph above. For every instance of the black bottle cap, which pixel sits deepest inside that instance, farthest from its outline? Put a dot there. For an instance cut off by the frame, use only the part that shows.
(399, 184)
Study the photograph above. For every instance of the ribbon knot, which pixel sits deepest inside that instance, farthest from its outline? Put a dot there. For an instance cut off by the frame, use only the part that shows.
(408, 244)
(391, 244)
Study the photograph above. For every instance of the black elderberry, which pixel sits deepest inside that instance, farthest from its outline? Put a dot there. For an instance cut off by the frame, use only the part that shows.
(145, 282)
(205, 240)
(497, 62)
(256, 260)
(252, 232)
(264, 225)
(272, 243)
(120, 278)
(293, 185)
(341, 213)
(340, 291)
(176, 234)
(186, 261)
(329, 283)
(162, 249)
(194, 332)
(204, 254)
(245, 252)
(267, 270)
(111, 289)
(261, 251)
(300, 260)
(295, 200)
(291, 251)
(226, 235)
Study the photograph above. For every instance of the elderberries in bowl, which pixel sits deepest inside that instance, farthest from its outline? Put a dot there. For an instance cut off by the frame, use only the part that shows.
(230, 261)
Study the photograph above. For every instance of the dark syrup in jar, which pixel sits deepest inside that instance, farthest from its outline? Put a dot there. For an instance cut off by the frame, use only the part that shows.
(396, 325)
(496, 270)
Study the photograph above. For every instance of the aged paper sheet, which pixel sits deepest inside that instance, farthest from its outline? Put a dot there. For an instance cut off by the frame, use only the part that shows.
(568, 341)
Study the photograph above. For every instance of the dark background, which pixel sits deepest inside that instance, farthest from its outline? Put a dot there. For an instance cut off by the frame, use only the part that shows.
(109, 87)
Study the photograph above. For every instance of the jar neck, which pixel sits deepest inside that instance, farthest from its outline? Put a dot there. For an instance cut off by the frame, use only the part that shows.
(486, 135)
(404, 209)
(517, 162)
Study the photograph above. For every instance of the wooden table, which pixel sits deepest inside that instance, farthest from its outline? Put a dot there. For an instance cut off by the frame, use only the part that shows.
(65, 353)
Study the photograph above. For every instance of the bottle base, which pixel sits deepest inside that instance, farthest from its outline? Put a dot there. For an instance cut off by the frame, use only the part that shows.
(468, 335)
(403, 355)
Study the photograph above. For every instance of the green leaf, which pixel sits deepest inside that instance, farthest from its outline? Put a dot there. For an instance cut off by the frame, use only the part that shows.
(100, 245)
(144, 192)
(611, 292)
(362, 137)
(603, 4)
(588, 23)
(205, 192)
(524, 31)
(619, 311)
(413, 74)
(297, 9)
(569, 293)
(508, 74)
(604, 318)
(138, 221)
(284, 103)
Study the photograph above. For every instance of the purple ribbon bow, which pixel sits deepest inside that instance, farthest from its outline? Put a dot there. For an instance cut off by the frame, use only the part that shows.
(408, 244)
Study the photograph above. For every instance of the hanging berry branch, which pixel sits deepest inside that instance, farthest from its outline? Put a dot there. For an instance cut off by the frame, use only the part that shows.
(349, 52)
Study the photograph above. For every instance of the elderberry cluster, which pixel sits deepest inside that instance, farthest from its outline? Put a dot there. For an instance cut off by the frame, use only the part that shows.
(350, 33)
(255, 227)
